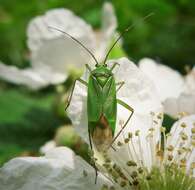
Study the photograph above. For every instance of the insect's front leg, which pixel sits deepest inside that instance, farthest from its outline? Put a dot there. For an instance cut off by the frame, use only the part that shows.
(88, 68)
(72, 90)
(113, 66)
(125, 105)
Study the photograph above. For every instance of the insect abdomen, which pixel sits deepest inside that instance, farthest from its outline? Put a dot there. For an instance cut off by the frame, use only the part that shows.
(102, 134)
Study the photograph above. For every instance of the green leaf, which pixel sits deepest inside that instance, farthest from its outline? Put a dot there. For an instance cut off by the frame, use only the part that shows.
(26, 120)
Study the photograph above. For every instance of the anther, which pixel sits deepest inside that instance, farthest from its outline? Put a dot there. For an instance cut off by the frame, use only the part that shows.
(140, 170)
(163, 129)
(193, 130)
(131, 163)
(134, 174)
(130, 135)
(170, 148)
(137, 132)
(126, 140)
(183, 125)
(170, 157)
(123, 183)
(119, 143)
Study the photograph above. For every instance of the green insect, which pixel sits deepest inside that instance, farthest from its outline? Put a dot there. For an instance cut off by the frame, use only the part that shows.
(102, 100)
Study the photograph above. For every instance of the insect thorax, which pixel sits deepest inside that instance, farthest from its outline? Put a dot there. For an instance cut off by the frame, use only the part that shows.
(102, 74)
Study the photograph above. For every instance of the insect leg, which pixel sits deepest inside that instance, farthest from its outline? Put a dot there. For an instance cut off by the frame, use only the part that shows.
(71, 93)
(88, 68)
(113, 66)
(125, 105)
(90, 143)
(120, 85)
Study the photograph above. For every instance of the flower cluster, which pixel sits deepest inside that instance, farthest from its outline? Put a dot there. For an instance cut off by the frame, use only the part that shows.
(144, 155)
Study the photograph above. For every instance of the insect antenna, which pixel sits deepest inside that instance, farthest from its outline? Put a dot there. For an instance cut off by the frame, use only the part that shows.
(122, 34)
(77, 41)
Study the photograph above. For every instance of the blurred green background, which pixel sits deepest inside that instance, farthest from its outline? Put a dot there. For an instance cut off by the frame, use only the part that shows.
(29, 119)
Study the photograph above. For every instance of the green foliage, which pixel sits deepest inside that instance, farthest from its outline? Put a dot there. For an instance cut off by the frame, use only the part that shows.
(167, 36)
(26, 122)
(168, 122)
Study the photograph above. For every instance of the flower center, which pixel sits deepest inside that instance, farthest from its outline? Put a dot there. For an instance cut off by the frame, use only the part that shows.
(167, 166)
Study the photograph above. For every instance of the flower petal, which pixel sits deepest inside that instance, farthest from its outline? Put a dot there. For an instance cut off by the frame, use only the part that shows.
(32, 78)
(59, 169)
(190, 81)
(181, 138)
(25, 77)
(54, 49)
(185, 103)
(138, 87)
(168, 82)
(77, 110)
(109, 21)
(47, 146)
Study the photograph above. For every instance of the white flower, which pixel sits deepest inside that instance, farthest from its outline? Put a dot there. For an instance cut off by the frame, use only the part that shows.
(53, 55)
(47, 147)
(177, 92)
(138, 92)
(139, 146)
(190, 81)
(184, 104)
(59, 169)
(169, 83)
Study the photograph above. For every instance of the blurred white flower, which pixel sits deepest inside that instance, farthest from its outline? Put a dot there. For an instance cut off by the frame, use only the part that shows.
(53, 55)
(47, 147)
(177, 92)
(59, 169)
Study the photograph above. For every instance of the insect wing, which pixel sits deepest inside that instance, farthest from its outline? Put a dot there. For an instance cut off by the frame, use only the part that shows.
(110, 102)
(94, 102)
(101, 101)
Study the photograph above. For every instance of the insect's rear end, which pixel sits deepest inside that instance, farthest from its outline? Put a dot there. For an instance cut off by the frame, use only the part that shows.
(101, 107)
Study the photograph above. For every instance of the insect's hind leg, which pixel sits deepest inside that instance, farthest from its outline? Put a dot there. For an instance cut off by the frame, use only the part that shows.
(120, 84)
(90, 143)
(71, 93)
(125, 105)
